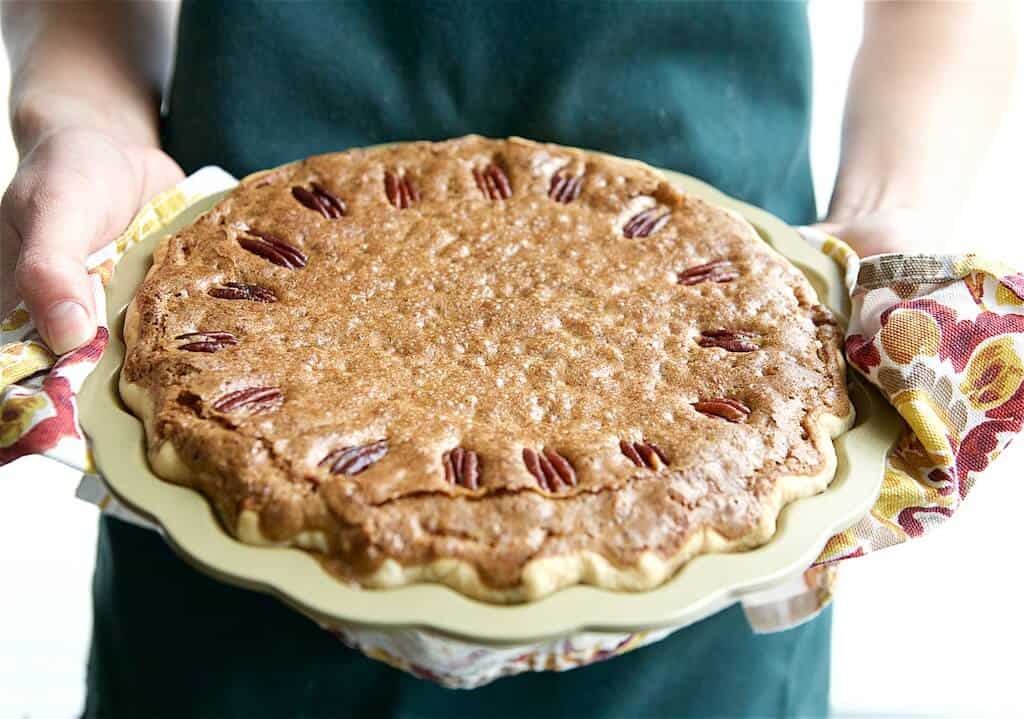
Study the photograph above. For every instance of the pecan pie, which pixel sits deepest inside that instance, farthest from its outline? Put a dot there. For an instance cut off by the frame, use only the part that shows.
(503, 366)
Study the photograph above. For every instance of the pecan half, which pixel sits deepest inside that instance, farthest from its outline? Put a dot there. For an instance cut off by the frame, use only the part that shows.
(251, 399)
(206, 341)
(401, 191)
(552, 471)
(462, 468)
(242, 291)
(717, 271)
(492, 182)
(320, 200)
(644, 454)
(353, 460)
(272, 248)
(728, 409)
(730, 340)
(644, 224)
(565, 188)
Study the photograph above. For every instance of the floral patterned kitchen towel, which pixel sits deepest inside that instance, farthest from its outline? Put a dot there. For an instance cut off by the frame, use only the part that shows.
(942, 336)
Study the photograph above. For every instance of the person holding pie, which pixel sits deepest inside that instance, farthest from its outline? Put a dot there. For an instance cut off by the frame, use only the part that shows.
(720, 91)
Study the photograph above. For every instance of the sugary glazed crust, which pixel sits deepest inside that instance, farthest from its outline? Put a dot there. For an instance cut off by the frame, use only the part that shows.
(499, 365)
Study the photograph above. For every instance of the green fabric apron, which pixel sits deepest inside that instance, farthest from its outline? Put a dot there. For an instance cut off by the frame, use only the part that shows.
(716, 90)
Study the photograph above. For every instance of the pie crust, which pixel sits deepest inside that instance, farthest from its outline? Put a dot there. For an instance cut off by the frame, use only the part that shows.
(503, 366)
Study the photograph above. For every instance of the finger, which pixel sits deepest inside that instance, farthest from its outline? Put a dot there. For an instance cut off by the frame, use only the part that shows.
(896, 230)
(829, 228)
(158, 172)
(54, 225)
(865, 242)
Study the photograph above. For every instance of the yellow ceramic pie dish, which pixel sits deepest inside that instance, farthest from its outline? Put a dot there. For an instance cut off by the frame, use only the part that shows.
(703, 585)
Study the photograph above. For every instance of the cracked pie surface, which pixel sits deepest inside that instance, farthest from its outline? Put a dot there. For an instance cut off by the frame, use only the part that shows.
(504, 366)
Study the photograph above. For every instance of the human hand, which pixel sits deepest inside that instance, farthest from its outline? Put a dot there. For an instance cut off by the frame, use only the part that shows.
(73, 192)
(884, 231)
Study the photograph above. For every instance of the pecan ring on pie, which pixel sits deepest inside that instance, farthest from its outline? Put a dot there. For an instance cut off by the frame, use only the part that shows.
(504, 366)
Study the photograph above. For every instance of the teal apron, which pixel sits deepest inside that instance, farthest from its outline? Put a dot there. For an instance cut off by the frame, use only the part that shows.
(716, 90)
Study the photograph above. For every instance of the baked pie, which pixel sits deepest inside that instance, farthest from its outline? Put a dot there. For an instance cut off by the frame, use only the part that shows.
(504, 366)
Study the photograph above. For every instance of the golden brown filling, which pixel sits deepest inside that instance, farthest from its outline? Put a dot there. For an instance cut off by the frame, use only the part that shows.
(494, 351)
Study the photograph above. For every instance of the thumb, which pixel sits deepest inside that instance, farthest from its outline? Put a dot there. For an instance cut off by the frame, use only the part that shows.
(59, 294)
(50, 273)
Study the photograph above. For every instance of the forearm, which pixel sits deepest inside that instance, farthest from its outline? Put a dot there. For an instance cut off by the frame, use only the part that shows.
(88, 64)
(927, 91)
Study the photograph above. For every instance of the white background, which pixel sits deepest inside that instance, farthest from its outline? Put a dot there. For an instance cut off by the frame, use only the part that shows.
(933, 628)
